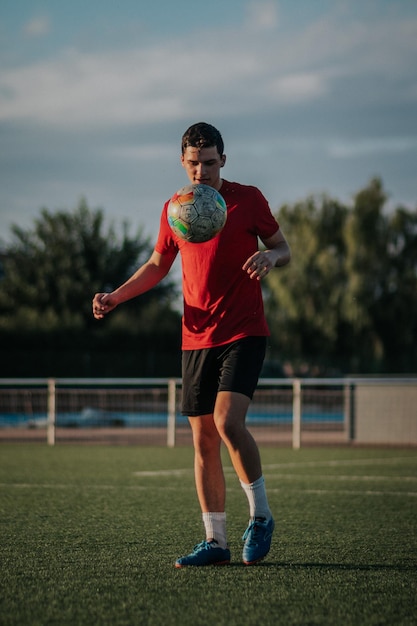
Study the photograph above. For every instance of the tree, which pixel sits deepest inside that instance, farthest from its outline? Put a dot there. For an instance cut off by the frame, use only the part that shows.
(303, 307)
(398, 306)
(52, 271)
(347, 302)
(348, 299)
(381, 294)
(48, 277)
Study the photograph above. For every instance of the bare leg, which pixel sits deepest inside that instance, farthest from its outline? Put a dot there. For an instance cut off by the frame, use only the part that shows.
(227, 424)
(229, 417)
(208, 469)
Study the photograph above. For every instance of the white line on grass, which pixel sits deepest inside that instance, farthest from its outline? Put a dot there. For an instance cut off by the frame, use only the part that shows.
(174, 488)
(273, 466)
(337, 463)
(347, 478)
(83, 486)
(178, 473)
(157, 473)
(347, 492)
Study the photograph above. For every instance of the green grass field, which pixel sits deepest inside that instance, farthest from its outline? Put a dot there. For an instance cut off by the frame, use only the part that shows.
(89, 536)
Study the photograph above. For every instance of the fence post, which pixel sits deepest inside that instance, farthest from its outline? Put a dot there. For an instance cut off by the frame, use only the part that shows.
(51, 419)
(172, 412)
(352, 425)
(296, 414)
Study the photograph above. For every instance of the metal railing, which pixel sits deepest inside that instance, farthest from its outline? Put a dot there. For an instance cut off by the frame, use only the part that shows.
(283, 411)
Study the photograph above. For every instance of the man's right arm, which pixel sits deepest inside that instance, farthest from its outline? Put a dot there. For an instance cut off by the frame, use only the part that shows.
(146, 277)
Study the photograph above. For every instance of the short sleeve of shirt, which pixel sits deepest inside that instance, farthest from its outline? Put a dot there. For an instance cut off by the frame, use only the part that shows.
(265, 224)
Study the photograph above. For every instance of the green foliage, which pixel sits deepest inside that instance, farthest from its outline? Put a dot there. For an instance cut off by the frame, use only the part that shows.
(347, 302)
(348, 299)
(49, 276)
(52, 271)
(367, 265)
(305, 307)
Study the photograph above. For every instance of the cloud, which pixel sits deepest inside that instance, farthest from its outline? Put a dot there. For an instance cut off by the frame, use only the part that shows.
(242, 72)
(135, 86)
(37, 27)
(144, 152)
(298, 87)
(262, 15)
(343, 149)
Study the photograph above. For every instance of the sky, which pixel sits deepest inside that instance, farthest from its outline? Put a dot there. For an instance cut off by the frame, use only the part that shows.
(311, 97)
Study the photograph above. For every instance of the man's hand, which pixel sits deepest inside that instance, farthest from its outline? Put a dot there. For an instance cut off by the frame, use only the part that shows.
(103, 303)
(259, 264)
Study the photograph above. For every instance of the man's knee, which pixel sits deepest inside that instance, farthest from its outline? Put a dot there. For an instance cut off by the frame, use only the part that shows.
(230, 429)
(206, 438)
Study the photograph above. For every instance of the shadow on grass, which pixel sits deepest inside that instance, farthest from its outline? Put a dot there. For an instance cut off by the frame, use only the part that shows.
(330, 566)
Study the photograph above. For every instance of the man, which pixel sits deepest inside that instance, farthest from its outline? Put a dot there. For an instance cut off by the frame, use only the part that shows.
(223, 341)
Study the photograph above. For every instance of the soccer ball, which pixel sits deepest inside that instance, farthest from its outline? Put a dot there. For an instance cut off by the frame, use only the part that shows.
(196, 213)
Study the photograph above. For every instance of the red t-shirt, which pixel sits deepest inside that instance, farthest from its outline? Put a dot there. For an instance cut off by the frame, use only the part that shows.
(221, 302)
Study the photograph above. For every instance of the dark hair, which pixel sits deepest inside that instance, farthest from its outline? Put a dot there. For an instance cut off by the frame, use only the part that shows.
(202, 135)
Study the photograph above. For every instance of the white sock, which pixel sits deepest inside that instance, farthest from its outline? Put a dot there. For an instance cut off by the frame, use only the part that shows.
(215, 525)
(257, 498)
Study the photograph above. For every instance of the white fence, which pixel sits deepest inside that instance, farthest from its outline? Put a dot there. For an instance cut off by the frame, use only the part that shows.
(146, 410)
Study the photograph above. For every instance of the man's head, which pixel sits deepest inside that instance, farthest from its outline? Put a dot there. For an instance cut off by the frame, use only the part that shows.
(202, 154)
(202, 135)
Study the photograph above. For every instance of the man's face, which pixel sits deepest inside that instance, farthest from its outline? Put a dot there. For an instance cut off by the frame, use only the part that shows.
(203, 166)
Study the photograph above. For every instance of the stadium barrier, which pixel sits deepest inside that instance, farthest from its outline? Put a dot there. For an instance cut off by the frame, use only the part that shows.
(295, 412)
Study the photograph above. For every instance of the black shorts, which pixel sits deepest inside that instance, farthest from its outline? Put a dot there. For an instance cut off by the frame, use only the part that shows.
(233, 367)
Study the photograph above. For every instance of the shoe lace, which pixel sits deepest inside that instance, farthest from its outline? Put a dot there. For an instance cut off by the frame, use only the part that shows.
(203, 545)
(254, 527)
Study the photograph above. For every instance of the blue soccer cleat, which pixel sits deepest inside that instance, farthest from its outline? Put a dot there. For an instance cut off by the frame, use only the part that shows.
(257, 538)
(205, 553)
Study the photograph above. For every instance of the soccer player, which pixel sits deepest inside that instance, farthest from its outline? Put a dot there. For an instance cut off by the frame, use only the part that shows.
(224, 335)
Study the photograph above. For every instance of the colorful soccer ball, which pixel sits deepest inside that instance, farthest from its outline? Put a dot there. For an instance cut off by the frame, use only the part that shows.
(196, 213)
